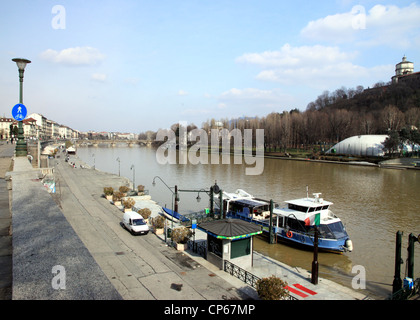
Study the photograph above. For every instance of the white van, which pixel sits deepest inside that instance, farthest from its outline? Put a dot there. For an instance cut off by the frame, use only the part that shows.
(134, 222)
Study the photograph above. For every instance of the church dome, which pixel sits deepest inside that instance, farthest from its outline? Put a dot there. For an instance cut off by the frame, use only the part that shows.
(404, 67)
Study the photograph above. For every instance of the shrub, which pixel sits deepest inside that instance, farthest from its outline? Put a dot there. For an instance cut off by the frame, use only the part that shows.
(129, 203)
(124, 189)
(181, 235)
(140, 188)
(117, 196)
(145, 213)
(108, 191)
(158, 222)
(272, 288)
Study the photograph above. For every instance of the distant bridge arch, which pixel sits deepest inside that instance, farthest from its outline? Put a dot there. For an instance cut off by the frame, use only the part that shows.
(111, 142)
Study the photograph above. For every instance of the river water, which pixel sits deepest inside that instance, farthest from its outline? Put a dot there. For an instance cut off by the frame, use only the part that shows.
(373, 204)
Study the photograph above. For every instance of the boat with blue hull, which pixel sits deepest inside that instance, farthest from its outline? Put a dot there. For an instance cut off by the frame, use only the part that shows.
(296, 223)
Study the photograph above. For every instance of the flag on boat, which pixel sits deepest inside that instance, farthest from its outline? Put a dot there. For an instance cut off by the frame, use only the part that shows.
(314, 220)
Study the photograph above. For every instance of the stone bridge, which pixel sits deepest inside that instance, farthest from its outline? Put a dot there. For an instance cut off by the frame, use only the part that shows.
(112, 143)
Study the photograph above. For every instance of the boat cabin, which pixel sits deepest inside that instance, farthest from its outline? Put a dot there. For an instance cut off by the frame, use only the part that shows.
(247, 208)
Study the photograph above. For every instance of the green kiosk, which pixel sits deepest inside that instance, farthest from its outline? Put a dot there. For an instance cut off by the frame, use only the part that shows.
(230, 239)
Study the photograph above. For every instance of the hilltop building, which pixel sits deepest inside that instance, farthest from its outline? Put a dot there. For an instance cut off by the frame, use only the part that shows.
(404, 72)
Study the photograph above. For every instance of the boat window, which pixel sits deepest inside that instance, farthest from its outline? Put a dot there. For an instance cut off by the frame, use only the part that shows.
(338, 229)
(334, 230)
(297, 207)
(295, 224)
(281, 219)
(325, 207)
(325, 232)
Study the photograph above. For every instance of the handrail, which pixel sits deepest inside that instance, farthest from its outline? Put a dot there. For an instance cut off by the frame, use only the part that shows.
(405, 293)
(245, 276)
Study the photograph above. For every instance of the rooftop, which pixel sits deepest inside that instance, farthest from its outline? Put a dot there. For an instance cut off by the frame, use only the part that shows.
(230, 228)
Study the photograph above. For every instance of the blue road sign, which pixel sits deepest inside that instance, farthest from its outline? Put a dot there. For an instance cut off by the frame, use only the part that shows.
(19, 112)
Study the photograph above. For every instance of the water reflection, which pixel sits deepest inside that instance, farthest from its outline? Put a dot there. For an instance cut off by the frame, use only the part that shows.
(373, 203)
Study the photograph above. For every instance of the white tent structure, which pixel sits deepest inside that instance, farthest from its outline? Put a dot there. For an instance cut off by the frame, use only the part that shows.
(363, 145)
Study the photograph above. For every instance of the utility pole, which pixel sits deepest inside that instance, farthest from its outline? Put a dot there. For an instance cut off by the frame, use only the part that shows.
(410, 263)
(222, 212)
(314, 278)
(176, 199)
(397, 283)
(211, 202)
(270, 228)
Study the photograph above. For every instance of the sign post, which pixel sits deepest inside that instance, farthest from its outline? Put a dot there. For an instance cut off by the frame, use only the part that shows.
(19, 112)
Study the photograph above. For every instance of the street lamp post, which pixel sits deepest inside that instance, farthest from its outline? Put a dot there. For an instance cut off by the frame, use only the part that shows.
(314, 276)
(21, 147)
(174, 194)
(119, 166)
(134, 174)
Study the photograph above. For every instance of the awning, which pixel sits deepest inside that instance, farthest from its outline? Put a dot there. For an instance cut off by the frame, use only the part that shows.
(251, 203)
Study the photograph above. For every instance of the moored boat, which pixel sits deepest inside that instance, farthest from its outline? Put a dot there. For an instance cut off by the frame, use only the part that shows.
(296, 223)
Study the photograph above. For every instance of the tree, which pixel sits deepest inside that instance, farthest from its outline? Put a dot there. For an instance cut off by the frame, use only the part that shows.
(392, 142)
(392, 118)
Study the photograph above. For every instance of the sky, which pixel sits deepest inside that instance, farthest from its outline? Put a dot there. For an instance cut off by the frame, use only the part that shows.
(133, 66)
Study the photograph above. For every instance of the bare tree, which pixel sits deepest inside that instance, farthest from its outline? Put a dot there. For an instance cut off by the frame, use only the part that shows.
(392, 118)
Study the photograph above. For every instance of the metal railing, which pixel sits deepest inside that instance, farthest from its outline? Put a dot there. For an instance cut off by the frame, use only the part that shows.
(245, 276)
(199, 217)
(199, 247)
(241, 274)
(405, 293)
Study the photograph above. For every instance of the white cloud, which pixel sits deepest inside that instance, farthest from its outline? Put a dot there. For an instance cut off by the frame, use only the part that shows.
(254, 98)
(381, 25)
(101, 77)
(317, 66)
(296, 57)
(132, 81)
(182, 93)
(73, 56)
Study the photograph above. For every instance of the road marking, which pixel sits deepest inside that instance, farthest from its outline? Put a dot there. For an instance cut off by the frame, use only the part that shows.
(299, 286)
(299, 293)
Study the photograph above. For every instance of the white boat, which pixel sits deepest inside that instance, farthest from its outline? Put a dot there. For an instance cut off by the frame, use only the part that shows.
(295, 223)
(71, 150)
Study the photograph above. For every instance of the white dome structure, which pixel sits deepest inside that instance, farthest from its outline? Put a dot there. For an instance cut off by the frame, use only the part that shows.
(363, 145)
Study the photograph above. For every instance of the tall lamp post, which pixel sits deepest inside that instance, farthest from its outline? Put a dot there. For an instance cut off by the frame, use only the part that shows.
(174, 194)
(21, 148)
(134, 174)
(119, 166)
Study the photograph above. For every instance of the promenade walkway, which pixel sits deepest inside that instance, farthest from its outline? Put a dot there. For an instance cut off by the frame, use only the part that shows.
(50, 261)
(6, 154)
